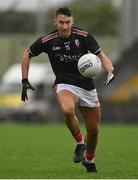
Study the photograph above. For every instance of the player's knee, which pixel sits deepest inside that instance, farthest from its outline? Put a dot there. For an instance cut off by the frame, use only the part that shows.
(94, 131)
(68, 112)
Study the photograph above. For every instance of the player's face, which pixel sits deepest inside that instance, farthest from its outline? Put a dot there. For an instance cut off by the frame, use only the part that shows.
(64, 25)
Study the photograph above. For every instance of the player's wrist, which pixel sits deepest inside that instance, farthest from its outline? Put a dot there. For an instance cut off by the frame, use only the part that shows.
(112, 70)
(25, 80)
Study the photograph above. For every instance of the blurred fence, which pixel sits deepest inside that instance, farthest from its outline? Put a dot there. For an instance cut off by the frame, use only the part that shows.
(12, 47)
(120, 112)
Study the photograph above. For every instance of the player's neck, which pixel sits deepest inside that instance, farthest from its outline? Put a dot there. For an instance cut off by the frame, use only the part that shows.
(64, 35)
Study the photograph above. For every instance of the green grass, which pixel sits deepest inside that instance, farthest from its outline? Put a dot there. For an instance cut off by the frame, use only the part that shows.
(45, 151)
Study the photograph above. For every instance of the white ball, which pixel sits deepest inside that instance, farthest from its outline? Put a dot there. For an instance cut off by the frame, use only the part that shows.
(89, 65)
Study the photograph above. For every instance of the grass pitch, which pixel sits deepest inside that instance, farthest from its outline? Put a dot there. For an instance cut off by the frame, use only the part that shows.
(45, 152)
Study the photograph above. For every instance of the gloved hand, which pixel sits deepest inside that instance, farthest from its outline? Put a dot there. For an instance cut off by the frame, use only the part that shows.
(25, 86)
(110, 77)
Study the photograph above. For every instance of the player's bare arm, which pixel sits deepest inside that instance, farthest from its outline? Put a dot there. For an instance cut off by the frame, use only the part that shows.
(107, 64)
(25, 64)
(25, 70)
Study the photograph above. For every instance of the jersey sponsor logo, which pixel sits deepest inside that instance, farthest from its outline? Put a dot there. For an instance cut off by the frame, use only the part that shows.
(56, 48)
(61, 58)
(69, 58)
(77, 42)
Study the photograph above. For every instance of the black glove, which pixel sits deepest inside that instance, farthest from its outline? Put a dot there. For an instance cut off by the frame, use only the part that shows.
(25, 85)
(110, 77)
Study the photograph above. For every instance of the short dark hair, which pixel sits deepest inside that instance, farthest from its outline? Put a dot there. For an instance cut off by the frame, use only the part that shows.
(64, 10)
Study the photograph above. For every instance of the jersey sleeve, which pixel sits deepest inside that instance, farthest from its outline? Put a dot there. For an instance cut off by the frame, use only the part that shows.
(92, 44)
(36, 48)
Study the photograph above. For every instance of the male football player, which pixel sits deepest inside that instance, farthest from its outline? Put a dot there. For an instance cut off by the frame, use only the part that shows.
(64, 46)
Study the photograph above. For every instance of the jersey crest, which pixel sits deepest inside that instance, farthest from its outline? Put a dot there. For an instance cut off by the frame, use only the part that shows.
(77, 42)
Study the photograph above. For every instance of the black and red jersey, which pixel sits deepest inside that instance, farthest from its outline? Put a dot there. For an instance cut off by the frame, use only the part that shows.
(64, 54)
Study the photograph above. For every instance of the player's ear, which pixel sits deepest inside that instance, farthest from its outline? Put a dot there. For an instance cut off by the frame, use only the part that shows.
(55, 22)
(73, 20)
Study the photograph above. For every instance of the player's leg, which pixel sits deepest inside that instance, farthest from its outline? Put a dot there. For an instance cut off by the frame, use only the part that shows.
(67, 101)
(91, 118)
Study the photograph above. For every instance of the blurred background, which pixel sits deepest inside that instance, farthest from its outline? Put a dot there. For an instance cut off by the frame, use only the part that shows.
(114, 23)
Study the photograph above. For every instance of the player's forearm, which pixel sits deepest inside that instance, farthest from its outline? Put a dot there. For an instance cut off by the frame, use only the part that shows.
(25, 65)
(106, 62)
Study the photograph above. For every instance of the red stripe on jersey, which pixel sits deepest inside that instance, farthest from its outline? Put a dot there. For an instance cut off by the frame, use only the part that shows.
(80, 32)
(49, 37)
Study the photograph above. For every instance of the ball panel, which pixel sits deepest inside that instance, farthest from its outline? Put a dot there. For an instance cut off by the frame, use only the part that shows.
(89, 65)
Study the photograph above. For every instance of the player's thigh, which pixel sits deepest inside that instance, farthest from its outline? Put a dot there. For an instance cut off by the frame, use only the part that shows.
(91, 117)
(67, 100)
